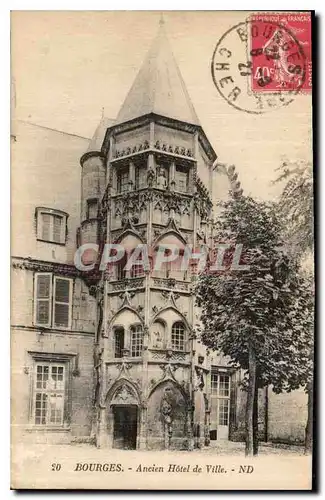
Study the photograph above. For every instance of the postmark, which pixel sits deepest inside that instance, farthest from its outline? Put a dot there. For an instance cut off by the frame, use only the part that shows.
(233, 64)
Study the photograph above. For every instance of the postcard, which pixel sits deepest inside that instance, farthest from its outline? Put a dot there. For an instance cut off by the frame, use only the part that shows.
(162, 297)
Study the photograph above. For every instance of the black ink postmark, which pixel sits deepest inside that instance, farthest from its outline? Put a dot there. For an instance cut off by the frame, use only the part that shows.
(240, 57)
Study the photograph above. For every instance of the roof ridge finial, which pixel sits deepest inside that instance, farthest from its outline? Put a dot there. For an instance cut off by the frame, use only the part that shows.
(103, 112)
(161, 20)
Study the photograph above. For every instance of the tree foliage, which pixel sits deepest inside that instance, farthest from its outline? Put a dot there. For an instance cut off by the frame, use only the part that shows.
(296, 210)
(267, 306)
(296, 204)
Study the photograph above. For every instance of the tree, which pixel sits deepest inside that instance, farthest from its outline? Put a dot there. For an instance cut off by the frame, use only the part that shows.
(252, 315)
(295, 207)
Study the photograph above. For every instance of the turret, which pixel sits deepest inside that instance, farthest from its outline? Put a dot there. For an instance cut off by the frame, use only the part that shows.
(93, 183)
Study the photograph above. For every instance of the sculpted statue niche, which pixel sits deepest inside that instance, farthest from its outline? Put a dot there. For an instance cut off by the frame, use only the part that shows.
(161, 178)
(166, 410)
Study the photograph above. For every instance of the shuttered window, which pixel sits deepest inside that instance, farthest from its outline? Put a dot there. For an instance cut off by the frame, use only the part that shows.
(46, 226)
(57, 228)
(53, 301)
(43, 299)
(61, 302)
(51, 225)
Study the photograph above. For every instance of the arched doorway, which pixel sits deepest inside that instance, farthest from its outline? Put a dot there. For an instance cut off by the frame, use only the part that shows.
(125, 426)
(124, 417)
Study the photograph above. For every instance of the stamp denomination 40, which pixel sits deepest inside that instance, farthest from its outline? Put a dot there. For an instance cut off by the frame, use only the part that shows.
(277, 62)
(259, 65)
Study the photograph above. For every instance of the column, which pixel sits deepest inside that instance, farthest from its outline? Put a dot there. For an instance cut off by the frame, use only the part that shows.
(172, 175)
(132, 175)
(142, 440)
(190, 437)
(207, 428)
(152, 135)
(102, 435)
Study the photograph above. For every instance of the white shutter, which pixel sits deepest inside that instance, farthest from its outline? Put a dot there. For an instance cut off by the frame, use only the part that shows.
(46, 227)
(57, 228)
(43, 293)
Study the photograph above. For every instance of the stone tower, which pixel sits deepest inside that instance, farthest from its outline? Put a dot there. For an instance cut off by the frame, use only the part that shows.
(146, 179)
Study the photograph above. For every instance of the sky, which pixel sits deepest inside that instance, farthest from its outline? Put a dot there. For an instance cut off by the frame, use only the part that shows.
(70, 65)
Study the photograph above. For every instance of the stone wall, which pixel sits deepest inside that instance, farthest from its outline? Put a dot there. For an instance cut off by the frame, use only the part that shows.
(287, 416)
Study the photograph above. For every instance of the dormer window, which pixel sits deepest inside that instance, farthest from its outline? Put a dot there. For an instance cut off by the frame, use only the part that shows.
(51, 225)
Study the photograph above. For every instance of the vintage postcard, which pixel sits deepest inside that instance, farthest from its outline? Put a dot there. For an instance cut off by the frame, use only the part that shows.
(162, 250)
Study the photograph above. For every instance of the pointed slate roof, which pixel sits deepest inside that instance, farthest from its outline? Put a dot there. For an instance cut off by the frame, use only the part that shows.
(159, 87)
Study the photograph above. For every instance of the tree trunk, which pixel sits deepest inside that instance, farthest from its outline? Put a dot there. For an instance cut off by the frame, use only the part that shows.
(255, 421)
(250, 400)
(309, 425)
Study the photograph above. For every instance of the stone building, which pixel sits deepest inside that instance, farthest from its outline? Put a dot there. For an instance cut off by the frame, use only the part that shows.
(111, 357)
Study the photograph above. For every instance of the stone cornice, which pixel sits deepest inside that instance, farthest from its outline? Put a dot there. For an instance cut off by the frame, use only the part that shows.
(36, 265)
(161, 120)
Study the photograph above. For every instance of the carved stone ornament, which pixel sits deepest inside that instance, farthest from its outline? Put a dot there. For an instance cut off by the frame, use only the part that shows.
(199, 382)
(124, 395)
(126, 298)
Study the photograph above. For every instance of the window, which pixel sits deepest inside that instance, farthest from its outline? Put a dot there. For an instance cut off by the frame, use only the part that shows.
(136, 341)
(92, 209)
(53, 301)
(220, 384)
(49, 394)
(121, 272)
(123, 181)
(137, 269)
(51, 225)
(214, 382)
(119, 342)
(220, 387)
(224, 385)
(43, 299)
(178, 336)
(140, 178)
(165, 267)
(181, 178)
(223, 418)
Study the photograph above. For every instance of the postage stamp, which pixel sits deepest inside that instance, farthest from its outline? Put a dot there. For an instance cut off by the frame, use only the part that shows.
(260, 65)
(277, 63)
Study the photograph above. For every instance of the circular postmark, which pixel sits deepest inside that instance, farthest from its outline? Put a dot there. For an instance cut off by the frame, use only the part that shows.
(258, 66)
